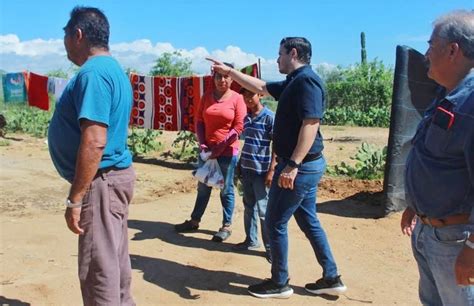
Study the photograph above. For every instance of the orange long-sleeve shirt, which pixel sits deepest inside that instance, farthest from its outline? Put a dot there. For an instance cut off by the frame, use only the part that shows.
(220, 118)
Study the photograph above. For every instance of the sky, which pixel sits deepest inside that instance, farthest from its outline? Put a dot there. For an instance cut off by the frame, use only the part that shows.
(239, 31)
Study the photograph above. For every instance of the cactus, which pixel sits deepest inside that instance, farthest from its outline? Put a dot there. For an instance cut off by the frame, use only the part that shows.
(363, 52)
(370, 163)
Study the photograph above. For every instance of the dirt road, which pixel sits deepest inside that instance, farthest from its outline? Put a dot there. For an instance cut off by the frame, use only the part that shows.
(38, 257)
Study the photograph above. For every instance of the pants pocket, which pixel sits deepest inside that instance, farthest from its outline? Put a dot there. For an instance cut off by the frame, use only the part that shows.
(121, 193)
(450, 235)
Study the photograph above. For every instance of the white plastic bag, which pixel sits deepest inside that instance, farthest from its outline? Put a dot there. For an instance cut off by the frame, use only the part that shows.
(205, 155)
(210, 174)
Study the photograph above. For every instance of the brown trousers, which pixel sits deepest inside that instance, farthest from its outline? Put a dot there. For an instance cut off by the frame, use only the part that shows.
(104, 262)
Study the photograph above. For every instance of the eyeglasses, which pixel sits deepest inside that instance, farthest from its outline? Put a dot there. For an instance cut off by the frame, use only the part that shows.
(219, 76)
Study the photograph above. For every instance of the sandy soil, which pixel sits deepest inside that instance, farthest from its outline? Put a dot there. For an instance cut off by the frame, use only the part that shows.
(38, 255)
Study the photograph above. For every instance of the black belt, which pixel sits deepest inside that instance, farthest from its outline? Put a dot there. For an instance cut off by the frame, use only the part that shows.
(308, 158)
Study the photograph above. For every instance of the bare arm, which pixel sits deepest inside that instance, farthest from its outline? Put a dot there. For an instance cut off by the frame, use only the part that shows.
(308, 131)
(271, 171)
(93, 140)
(249, 82)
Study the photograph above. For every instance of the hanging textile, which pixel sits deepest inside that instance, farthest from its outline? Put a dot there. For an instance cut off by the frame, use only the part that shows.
(14, 90)
(251, 70)
(37, 90)
(56, 86)
(166, 103)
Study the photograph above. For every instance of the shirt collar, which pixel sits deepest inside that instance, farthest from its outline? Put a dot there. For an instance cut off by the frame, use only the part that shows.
(463, 90)
(262, 112)
(295, 72)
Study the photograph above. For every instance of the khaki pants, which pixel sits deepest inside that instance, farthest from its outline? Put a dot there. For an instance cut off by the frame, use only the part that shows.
(104, 262)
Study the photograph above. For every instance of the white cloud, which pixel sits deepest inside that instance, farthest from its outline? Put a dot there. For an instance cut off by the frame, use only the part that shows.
(45, 55)
(10, 43)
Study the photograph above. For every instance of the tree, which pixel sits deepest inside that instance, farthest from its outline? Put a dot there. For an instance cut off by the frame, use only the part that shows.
(58, 73)
(172, 64)
(130, 70)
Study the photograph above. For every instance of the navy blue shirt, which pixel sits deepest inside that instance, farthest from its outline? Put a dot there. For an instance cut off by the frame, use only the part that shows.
(300, 96)
(439, 177)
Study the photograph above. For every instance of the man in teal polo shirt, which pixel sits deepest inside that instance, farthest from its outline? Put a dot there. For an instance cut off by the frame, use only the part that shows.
(88, 145)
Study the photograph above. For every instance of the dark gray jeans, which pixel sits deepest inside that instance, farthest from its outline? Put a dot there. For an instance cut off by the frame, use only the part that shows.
(104, 262)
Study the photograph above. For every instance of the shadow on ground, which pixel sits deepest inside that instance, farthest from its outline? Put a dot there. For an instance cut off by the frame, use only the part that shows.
(12, 302)
(13, 139)
(172, 164)
(181, 278)
(166, 233)
(360, 205)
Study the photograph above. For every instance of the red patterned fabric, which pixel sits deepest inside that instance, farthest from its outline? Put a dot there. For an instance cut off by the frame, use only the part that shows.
(166, 103)
(37, 90)
(251, 70)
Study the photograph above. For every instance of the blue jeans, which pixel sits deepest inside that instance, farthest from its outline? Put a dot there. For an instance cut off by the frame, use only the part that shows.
(255, 206)
(227, 165)
(436, 250)
(300, 202)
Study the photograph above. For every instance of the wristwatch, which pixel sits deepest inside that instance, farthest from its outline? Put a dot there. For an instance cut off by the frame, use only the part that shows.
(293, 164)
(69, 204)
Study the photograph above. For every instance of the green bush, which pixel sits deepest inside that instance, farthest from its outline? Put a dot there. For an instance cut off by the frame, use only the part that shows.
(349, 115)
(25, 119)
(370, 164)
(188, 146)
(358, 95)
(270, 103)
(143, 141)
(361, 86)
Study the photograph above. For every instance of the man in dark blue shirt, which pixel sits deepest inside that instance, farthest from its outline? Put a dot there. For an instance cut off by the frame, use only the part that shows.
(298, 144)
(439, 179)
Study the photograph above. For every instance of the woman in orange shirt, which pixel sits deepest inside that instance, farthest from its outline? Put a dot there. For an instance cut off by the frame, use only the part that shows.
(219, 123)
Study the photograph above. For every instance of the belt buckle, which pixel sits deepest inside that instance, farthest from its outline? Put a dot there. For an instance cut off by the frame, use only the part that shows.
(428, 221)
(425, 220)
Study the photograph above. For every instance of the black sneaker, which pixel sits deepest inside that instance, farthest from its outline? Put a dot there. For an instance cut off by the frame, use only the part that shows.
(186, 226)
(268, 289)
(327, 286)
(268, 256)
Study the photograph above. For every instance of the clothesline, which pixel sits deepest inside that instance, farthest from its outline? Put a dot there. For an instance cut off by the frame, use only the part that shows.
(160, 103)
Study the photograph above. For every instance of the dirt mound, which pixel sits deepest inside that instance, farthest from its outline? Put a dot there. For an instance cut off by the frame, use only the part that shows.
(340, 188)
(329, 187)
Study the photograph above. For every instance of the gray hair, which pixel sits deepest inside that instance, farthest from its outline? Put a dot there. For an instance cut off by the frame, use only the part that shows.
(458, 27)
